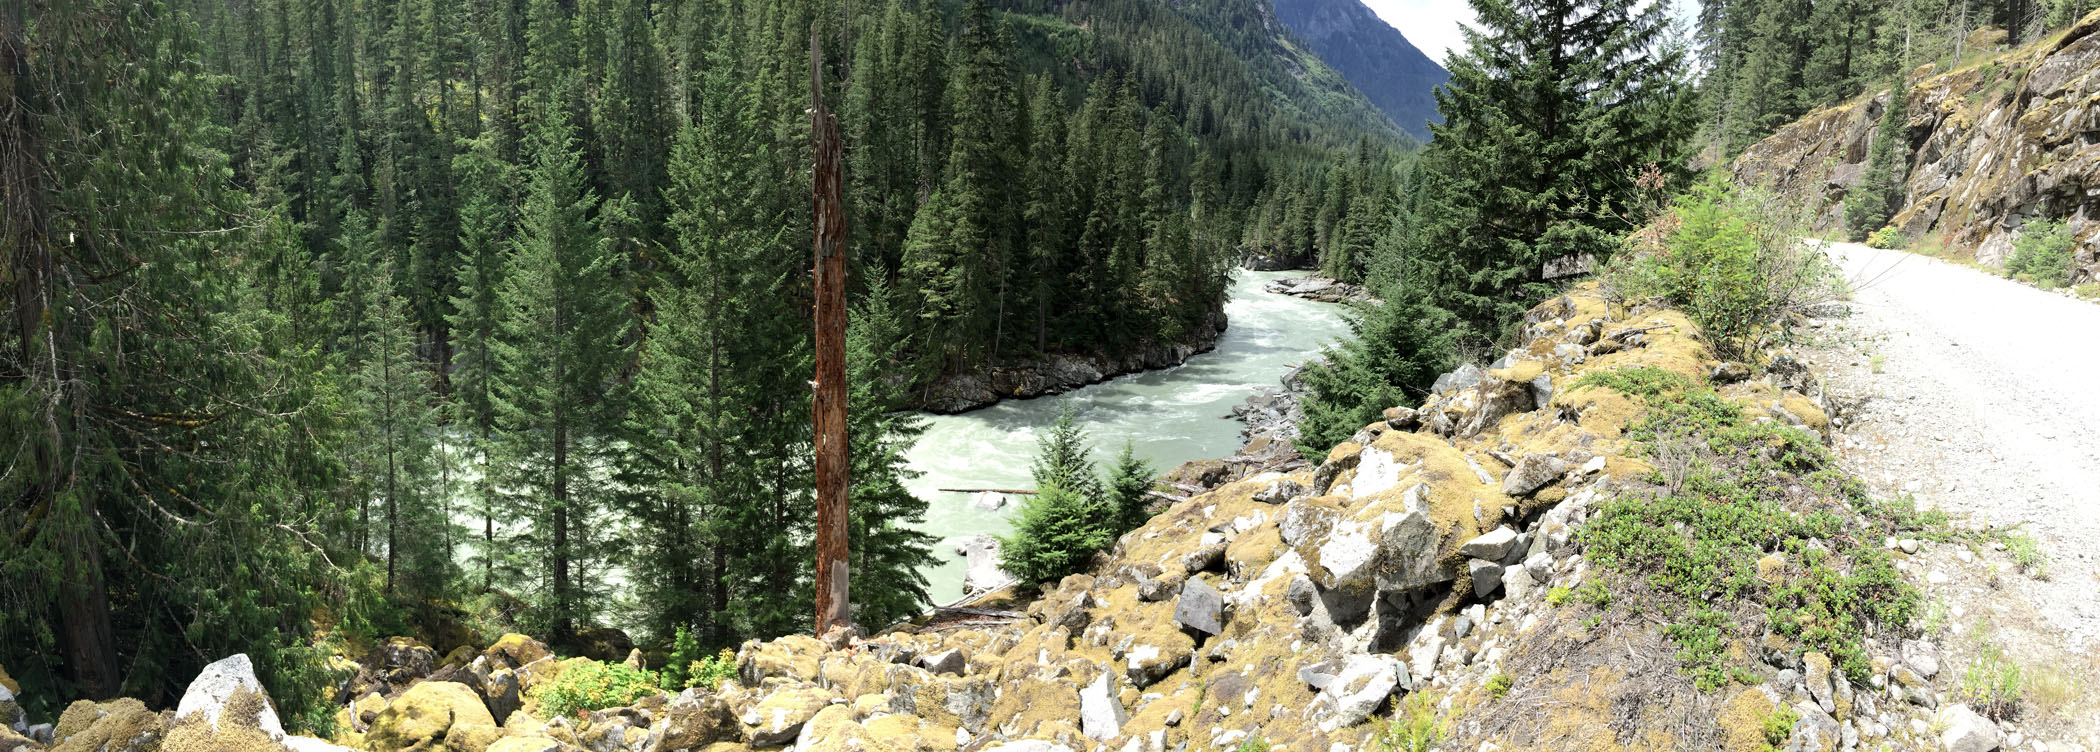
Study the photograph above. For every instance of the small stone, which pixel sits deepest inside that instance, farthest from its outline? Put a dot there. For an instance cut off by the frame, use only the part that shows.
(1594, 466)
(945, 662)
(1909, 545)
(1922, 656)
(1729, 373)
(1937, 577)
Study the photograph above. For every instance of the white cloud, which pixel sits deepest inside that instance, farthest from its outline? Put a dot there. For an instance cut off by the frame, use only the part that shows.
(1433, 25)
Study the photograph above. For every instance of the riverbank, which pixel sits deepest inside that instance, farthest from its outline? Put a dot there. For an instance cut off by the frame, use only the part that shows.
(1060, 373)
(1322, 289)
(1169, 417)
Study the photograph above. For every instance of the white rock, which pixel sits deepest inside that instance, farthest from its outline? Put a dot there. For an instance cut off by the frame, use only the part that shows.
(1101, 713)
(214, 687)
(1492, 546)
(310, 744)
(1361, 688)
(1965, 731)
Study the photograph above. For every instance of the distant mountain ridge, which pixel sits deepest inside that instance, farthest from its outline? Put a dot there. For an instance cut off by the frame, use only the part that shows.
(1376, 58)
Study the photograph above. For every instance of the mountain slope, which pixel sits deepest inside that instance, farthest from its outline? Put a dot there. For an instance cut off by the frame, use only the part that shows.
(1398, 78)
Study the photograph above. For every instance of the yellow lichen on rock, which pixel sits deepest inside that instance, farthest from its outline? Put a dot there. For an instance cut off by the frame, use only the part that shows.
(420, 718)
(120, 725)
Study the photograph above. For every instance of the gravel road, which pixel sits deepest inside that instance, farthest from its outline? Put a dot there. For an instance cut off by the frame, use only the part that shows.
(1982, 397)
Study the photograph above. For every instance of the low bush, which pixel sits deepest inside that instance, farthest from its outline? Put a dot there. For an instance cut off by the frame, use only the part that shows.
(1734, 259)
(1991, 684)
(590, 685)
(1746, 491)
(2042, 254)
(1413, 727)
(1888, 238)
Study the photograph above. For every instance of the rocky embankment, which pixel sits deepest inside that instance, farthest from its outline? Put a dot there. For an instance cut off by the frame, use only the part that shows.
(1992, 145)
(1321, 289)
(1435, 571)
(1059, 373)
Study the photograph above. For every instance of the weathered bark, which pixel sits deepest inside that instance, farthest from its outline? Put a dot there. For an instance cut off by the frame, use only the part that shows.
(829, 407)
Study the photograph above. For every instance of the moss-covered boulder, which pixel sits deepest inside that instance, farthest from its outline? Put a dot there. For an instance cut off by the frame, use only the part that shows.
(244, 722)
(525, 744)
(421, 718)
(777, 720)
(121, 725)
(514, 650)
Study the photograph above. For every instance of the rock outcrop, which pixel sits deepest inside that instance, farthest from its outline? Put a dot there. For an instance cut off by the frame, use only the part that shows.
(1992, 146)
(1059, 373)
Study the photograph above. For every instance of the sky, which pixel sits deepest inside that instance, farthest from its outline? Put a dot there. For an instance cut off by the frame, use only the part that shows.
(1433, 25)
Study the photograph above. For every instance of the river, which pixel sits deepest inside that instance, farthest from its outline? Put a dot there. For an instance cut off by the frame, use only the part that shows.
(1170, 416)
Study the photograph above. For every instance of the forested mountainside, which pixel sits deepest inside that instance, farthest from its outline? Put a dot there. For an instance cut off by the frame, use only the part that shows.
(1374, 56)
(1974, 157)
(336, 318)
(1769, 62)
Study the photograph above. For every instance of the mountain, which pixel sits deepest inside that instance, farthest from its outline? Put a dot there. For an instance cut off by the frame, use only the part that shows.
(1373, 55)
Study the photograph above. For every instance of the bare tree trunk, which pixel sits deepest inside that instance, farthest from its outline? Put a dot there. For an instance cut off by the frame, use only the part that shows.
(829, 407)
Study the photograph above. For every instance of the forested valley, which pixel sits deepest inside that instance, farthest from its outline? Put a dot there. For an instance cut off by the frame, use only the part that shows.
(366, 317)
(330, 320)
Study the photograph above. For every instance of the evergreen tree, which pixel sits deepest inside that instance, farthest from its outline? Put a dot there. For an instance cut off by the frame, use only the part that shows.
(890, 555)
(1063, 459)
(1552, 107)
(1129, 490)
(476, 315)
(1881, 188)
(559, 343)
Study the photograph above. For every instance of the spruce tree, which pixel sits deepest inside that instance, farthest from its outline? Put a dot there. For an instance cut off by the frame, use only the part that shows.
(1881, 188)
(476, 314)
(560, 342)
(1129, 489)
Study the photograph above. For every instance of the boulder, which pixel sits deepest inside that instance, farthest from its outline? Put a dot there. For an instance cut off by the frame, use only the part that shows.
(526, 744)
(310, 744)
(603, 644)
(950, 661)
(398, 662)
(120, 725)
(693, 720)
(1465, 377)
(1965, 731)
(988, 501)
(11, 715)
(1818, 677)
(1493, 545)
(1359, 689)
(1402, 418)
(1067, 606)
(1281, 491)
(212, 692)
(778, 720)
(1487, 577)
(1532, 473)
(1203, 559)
(1149, 661)
(981, 552)
(499, 688)
(424, 714)
(514, 650)
(1200, 607)
(1101, 713)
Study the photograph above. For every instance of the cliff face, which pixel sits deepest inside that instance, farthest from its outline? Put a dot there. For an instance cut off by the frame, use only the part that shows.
(1992, 146)
(1374, 56)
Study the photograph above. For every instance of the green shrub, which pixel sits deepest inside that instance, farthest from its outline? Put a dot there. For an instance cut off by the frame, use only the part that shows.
(1733, 493)
(1414, 726)
(1888, 238)
(1991, 685)
(2043, 254)
(1498, 685)
(1733, 259)
(1780, 725)
(709, 673)
(591, 685)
